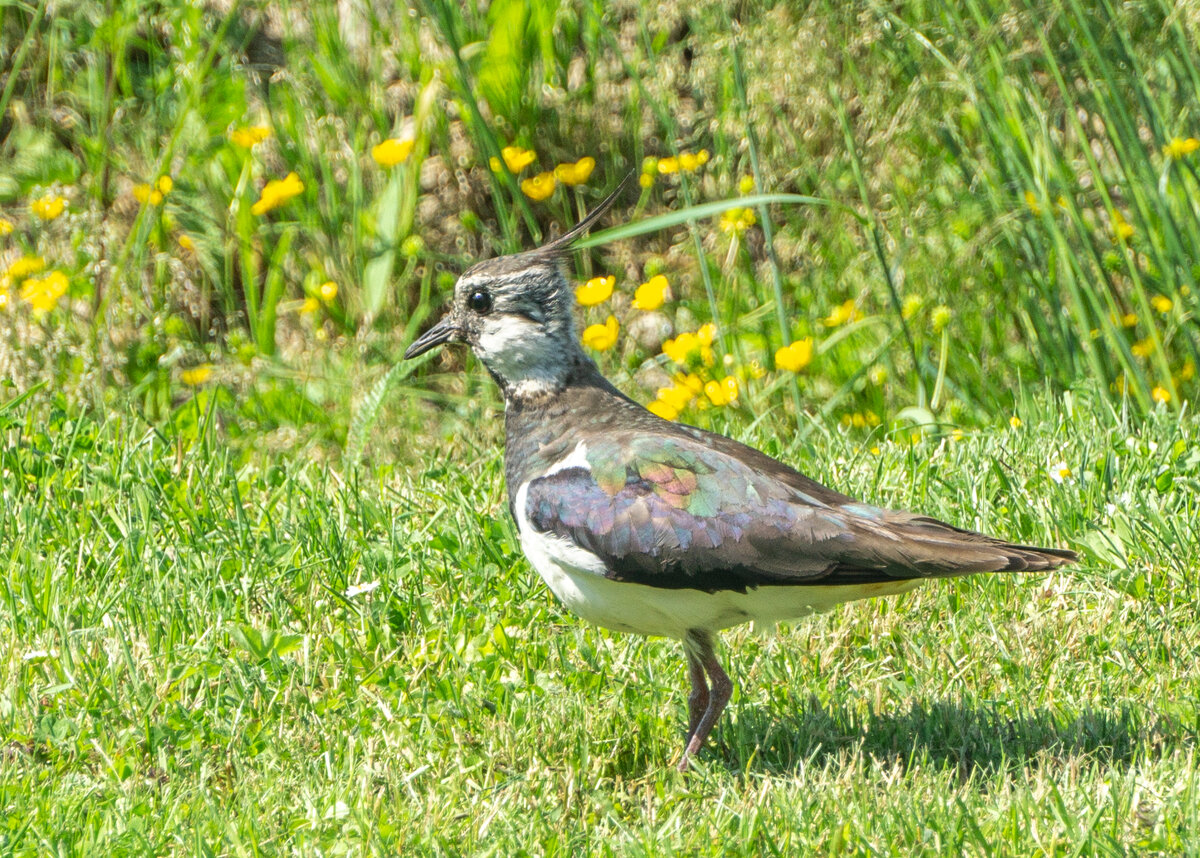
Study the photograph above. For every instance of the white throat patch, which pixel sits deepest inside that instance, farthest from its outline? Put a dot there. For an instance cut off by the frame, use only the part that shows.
(524, 356)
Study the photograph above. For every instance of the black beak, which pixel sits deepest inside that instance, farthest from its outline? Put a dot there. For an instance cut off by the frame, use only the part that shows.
(443, 332)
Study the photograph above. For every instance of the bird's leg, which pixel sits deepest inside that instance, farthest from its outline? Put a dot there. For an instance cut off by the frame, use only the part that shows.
(700, 649)
(698, 699)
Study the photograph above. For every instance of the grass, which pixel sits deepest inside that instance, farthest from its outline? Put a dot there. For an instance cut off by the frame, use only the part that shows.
(259, 589)
(207, 655)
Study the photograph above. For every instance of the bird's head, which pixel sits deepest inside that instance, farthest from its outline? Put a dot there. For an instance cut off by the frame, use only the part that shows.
(517, 314)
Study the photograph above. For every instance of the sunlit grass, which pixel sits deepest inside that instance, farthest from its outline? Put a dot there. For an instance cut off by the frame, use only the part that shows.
(260, 590)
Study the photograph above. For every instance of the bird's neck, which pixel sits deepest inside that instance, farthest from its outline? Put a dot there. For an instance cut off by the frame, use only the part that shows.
(542, 427)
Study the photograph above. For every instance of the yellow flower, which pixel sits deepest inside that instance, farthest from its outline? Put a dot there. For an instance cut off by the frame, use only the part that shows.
(539, 187)
(690, 381)
(1121, 228)
(1014, 422)
(309, 305)
(595, 291)
(940, 317)
(277, 192)
(676, 396)
(651, 294)
(1031, 200)
(6, 227)
(686, 345)
(1160, 394)
(1179, 147)
(601, 337)
(1188, 372)
(796, 356)
(143, 193)
(48, 207)
(666, 166)
(517, 158)
(662, 409)
(165, 184)
(24, 266)
(1143, 348)
(1162, 303)
(392, 151)
(841, 314)
(185, 241)
(249, 136)
(197, 375)
(646, 180)
(577, 173)
(723, 392)
(878, 374)
(328, 291)
(1129, 320)
(746, 185)
(42, 293)
(737, 220)
(909, 308)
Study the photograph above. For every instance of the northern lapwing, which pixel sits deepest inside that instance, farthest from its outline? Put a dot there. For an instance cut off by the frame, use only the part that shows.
(643, 525)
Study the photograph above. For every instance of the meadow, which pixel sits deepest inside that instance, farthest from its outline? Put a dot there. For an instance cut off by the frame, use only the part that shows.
(260, 592)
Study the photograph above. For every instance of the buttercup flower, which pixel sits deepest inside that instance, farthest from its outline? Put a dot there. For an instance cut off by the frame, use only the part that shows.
(309, 305)
(651, 294)
(516, 158)
(153, 194)
(6, 227)
(1160, 394)
(1121, 228)
(23, 267)
(577, 173)
(1143, 348)
(796, 356)
(328, 291)
(185, 242)
(249, 136)
(723, 392)
(745, 185)
(1180, 147)
(909, 308)
(737, 220)
(392, 151)
(601, 337)
(48, 207)
(1162, 303)
(662, 409)
(539, 187)
(1031, 201)
(677, 396)
(940, 317)
(666, 166)
(595, 291)
(197, 375)
(42, 293)
(1014, 422)
(843, 313)
(277, 192)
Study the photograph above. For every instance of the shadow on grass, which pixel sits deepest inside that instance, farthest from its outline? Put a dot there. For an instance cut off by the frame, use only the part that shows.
(973, 739)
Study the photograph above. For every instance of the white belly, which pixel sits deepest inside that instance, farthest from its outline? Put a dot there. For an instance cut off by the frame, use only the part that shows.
(577, 578)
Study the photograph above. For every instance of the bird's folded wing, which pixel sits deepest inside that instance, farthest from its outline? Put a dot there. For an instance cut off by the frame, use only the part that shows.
(678, 513)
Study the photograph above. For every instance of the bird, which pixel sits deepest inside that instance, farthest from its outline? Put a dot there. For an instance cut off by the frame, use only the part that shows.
(644, 525)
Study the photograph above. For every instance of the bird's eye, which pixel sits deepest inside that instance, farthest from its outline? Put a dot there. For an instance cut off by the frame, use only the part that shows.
(480, 302)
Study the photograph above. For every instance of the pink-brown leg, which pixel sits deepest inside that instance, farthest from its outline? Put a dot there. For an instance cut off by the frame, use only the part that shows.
(699, 645)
